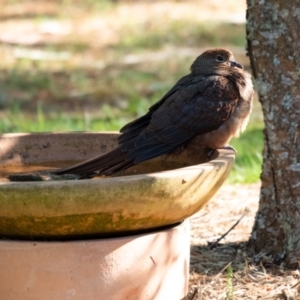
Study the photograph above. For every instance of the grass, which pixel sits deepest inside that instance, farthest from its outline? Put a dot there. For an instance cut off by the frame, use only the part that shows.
(108, 64)
(229, 286)
(247, 166)
(16, 121)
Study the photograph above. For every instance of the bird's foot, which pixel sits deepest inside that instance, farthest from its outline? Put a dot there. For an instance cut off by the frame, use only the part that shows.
(228, 147)
(211, 152)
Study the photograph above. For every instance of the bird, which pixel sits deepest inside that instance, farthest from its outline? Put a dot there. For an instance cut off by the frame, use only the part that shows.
(207, 107)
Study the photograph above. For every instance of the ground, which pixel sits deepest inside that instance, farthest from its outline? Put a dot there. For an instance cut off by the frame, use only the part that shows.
(226, 270)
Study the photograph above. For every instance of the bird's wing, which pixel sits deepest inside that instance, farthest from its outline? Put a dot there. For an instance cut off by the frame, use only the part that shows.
(133, 129)
(198, 106)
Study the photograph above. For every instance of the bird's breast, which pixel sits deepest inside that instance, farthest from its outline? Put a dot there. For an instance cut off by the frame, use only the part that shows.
(221, 137)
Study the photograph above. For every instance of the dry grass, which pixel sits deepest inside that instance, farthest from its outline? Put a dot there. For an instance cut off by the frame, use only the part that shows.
(227, 270)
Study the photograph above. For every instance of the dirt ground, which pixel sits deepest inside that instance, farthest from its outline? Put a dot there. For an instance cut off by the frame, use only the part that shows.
(225, 270)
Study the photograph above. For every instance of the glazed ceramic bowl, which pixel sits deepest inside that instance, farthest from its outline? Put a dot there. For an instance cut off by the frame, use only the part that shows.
(158, 193)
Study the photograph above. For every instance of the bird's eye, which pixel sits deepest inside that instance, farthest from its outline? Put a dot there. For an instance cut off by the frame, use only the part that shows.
(220, 58)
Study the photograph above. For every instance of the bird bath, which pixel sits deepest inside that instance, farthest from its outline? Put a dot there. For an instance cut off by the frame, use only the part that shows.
(115, 237)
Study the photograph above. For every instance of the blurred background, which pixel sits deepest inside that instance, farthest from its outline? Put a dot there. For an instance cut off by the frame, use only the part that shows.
(77, 65)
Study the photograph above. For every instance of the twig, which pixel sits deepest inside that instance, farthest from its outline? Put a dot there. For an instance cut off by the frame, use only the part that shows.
(153, 260)
(223, 269)
(216, 242)
(194, 294)
(295, 285)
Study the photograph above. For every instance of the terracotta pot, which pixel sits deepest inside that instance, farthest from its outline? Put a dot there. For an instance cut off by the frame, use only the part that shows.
(153, 266)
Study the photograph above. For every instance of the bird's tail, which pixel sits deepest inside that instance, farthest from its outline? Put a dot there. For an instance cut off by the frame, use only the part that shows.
(106, 164)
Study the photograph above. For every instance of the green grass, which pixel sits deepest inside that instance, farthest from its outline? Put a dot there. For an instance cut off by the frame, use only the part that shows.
(17, 121)
(229, 286)
(247, 166)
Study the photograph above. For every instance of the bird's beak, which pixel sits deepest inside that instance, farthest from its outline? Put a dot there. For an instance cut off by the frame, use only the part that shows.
(235, 64)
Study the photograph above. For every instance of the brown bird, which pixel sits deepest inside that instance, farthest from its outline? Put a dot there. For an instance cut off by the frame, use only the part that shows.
(208, 107)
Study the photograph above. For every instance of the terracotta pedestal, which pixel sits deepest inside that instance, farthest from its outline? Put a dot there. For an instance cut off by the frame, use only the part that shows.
(152, 266)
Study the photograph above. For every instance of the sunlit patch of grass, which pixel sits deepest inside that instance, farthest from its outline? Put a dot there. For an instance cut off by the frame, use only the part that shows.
(17, 121)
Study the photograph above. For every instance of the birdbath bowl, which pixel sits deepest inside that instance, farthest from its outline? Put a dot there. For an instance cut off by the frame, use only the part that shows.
(58, 232)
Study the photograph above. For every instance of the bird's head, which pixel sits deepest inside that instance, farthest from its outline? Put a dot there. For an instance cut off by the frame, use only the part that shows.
(214, 61)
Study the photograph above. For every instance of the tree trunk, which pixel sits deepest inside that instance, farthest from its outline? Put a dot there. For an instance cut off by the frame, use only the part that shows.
(274, 50)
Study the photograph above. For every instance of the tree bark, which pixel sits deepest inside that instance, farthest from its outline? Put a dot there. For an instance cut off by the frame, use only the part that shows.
(274, 49)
